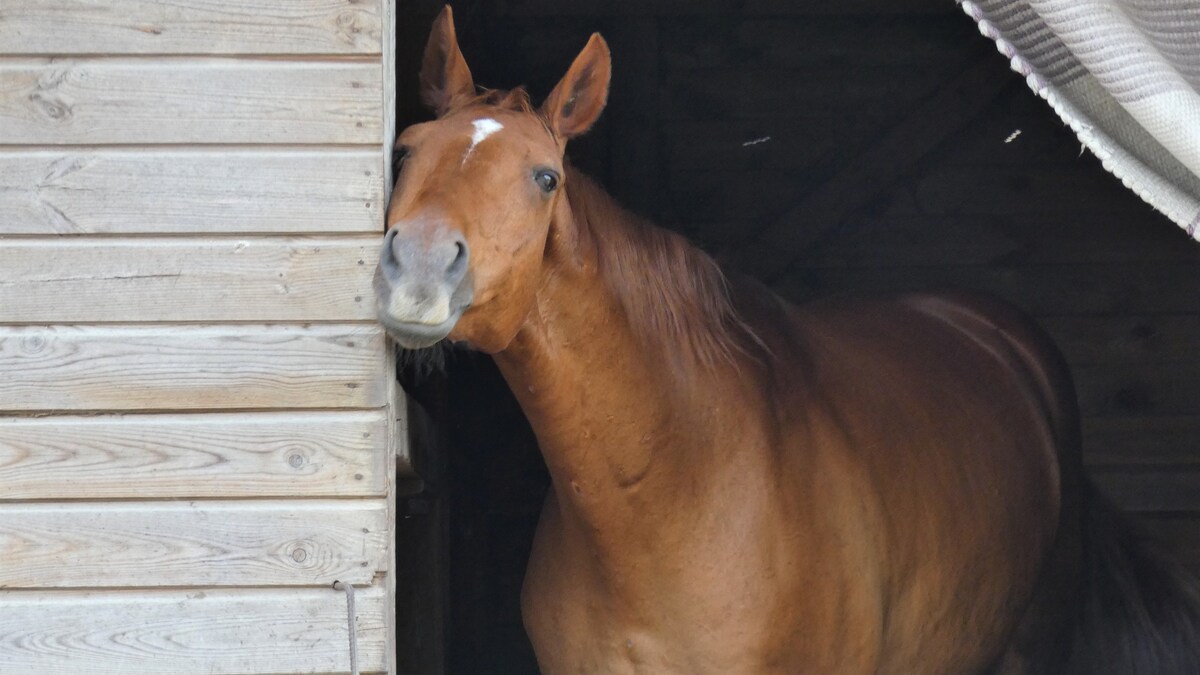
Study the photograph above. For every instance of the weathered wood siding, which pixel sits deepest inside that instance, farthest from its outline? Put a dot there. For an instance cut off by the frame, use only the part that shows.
(198, 423)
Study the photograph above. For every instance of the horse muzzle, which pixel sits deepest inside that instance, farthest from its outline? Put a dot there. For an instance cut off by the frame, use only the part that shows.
(422, 286)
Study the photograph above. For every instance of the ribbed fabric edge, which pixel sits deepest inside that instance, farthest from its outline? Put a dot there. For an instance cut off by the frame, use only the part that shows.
(1178, 206)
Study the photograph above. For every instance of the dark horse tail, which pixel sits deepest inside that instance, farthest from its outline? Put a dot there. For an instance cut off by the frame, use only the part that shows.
(1140, 609)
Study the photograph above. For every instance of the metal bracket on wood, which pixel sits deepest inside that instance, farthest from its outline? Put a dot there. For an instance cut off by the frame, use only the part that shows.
(351, 623)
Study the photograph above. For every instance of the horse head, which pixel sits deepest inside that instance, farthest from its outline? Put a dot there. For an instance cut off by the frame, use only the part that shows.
(476, 198)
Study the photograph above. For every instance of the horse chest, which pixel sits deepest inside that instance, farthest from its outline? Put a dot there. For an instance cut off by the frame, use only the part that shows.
(728, 603)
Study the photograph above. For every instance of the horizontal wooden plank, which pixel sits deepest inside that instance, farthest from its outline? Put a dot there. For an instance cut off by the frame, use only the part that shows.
(766, 166)
(1179, 533)
(1080, 191)
(1125, 442)
(741, 93)
(1172, 489)
(629, 8)
(746, 150)
(187, 279)
(874, 241)
(189, 100)
(192, 631)
(292, 454)
(1016, 133)
(156, 191)
(755, 194)
(1126, 338)
(1113, 288)
(240, 543)
(1140, 389)
(191, 367)
(727, 235)
(209, 27)
(835, 41)
(866, 174)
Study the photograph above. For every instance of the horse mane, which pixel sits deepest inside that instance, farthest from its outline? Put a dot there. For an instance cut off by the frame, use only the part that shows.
(516, 100)
(675, 296)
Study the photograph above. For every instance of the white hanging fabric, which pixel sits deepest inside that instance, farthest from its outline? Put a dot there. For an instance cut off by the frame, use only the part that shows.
(1125, 75)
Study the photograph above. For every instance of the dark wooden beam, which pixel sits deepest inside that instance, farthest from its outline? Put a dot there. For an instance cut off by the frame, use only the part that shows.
(869, 174)
(635, 175)
(630, 8)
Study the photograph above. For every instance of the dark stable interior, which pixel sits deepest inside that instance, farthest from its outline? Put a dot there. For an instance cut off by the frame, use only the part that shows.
(820, 146)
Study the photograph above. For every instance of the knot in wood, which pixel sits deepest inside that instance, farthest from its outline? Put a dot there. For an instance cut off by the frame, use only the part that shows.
(51, 108)
(33, 344)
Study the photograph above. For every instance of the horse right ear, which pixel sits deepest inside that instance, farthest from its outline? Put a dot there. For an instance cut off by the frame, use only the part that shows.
(445, 77)
(580, 96)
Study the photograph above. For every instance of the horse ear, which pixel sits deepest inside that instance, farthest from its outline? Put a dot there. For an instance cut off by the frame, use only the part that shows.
(445, 77)
(579, 97)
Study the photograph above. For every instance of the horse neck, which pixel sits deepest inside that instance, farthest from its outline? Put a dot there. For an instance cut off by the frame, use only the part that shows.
(612, 417)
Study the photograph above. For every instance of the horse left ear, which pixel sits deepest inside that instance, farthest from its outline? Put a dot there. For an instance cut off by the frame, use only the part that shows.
(445, 78)
(577, 100)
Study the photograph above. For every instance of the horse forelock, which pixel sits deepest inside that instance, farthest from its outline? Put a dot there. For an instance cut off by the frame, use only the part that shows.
(516, 100)
(513, 100)
(675, 297)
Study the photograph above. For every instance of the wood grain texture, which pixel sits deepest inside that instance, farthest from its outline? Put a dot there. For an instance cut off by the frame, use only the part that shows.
(289, 454)
(627, 8)
(189, 100)
(389, 93)
(1043, 191)
(1153, 389)
(157, 191)
(398, 459)
(187, 279)
(191, 367)
(193, 631)
(189, 116)
(205, 26)
(835, 41)
(865, 175)
(1165, 489)
(1124, 339)
(890, 241)
(732, 93)
(1140, 441)
(634, 173)
(1083, 289)
(1180, 532)
(204, 543)
(702, 153)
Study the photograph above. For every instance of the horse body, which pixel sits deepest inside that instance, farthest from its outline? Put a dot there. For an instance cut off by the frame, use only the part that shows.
(739, 485)
(848, 492)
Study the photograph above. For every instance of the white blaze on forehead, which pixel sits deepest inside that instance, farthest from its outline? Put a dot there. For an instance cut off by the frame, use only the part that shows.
(483, 128)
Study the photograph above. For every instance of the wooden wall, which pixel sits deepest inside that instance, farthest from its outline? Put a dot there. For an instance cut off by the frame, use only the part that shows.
(198, 426)
(825, 146)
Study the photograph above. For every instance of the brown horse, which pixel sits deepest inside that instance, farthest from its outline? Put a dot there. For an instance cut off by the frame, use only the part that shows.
(858, 485)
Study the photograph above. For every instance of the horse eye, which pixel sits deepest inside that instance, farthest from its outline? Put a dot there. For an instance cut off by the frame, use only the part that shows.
(547, 180)
(398, 156)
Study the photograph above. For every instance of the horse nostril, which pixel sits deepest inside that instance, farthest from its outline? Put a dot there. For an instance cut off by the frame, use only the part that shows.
(424, 257)
(458, 265)
(389, 258)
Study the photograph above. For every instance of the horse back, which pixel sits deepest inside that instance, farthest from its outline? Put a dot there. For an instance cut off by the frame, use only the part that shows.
(942, 421)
